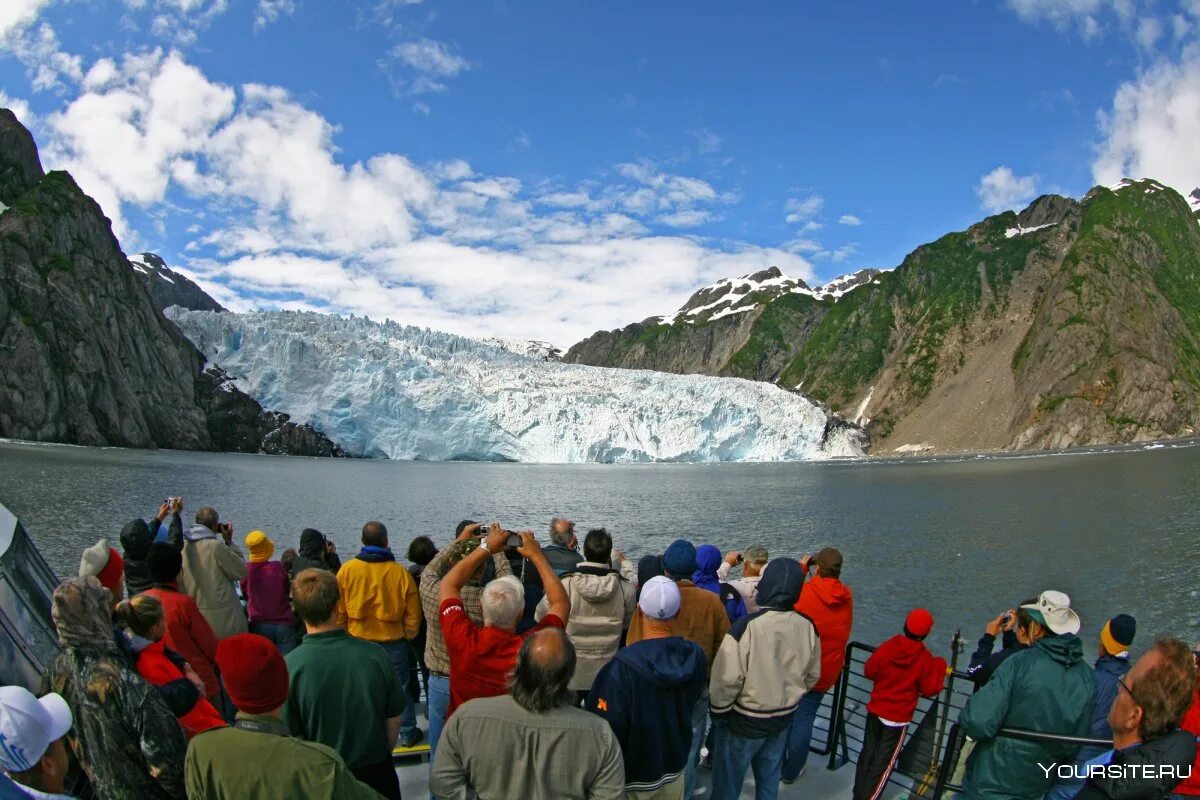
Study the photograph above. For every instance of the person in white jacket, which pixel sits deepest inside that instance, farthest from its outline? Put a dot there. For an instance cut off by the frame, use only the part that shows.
(602, 604)
(767, 662)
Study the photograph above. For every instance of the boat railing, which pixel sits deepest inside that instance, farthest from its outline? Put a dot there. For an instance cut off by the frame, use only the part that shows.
(931, 760)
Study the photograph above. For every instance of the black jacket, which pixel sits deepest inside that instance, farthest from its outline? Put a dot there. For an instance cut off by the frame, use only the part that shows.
(1176, 750)
(313, 554)
(984, 662)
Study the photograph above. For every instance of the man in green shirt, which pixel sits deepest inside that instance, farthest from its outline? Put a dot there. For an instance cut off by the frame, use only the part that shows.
(256, 757)
(344, 692)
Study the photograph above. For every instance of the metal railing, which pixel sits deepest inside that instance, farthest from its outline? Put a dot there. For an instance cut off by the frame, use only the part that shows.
(931, 769)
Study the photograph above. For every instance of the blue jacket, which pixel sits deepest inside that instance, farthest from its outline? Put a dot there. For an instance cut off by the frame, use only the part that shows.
(708, 559)
(646, 693)
(984, 662)
(1107, 670)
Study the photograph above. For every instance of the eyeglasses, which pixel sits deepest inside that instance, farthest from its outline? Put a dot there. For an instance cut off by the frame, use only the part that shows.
(1125, 686)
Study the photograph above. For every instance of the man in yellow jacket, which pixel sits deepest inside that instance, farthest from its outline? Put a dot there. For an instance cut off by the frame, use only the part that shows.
(380, 603)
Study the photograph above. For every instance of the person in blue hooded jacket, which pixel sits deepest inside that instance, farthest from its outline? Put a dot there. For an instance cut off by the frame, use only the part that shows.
(646, 693)
(708, 561)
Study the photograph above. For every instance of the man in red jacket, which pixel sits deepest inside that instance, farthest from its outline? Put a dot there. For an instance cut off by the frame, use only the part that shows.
(903, 671)
(829, 603)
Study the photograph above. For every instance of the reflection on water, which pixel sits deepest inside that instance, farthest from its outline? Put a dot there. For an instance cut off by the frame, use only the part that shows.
(963, 537)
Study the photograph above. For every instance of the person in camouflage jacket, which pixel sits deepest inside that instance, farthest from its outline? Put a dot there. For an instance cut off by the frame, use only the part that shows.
(125, 738)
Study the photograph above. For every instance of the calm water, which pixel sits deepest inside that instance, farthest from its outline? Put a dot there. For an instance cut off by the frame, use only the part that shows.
(965, 538)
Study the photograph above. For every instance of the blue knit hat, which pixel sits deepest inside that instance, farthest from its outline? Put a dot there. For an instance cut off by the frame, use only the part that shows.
(679, 559)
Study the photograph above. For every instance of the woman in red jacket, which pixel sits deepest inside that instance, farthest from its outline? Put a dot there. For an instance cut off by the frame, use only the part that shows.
(144, 618)
(188, 632)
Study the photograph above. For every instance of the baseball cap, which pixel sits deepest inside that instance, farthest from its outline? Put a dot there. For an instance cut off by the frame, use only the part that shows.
(28, 726)
(660, 598)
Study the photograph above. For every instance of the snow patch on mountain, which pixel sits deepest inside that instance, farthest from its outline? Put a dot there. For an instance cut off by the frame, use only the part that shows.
(844, 284)
(388, 390)
(1019, 231)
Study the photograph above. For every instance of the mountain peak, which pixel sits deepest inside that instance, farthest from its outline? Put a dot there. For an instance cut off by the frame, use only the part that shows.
(169, 288)
(20, 166)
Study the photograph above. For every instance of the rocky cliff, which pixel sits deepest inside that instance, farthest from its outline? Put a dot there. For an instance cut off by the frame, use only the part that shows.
(1071, 323)
(169, 288)
(86, 356)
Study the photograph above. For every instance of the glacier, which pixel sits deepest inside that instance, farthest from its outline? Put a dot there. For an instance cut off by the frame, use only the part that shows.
(382, 389)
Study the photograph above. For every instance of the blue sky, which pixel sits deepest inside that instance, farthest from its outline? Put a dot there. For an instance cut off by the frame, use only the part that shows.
(544, 169)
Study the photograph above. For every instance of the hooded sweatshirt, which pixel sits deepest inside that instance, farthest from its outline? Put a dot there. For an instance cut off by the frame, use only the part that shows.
(1176, 749)
(136, 539)
(313, 554)
(829, 603)
(708, 560)
(768, 660)
(602, 604)
(903, 670)
(1047, 687)
(646, 693)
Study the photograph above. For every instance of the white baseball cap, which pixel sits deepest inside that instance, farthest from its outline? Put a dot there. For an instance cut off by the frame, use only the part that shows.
(660, 598)
(28, 726)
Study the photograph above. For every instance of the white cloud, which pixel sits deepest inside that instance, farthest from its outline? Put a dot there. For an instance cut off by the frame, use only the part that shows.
(17, 14)
(1149, 31)
(1002, 190)
(46, 64)
(1063, 14)
(1153, 127)
(287, 223)
(850, 219)
(706, 141)
(421, 108)
(19, 107)
(804, 210)
(431, 61)
(271, 10)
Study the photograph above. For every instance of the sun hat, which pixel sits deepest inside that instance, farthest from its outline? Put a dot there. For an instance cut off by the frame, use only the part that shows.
(1053, 611)
(660, 598)
(261, 548)
(28, 726)
(1117, 634)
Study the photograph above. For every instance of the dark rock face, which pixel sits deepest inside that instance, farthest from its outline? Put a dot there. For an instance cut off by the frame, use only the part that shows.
(168, 288)
(86, 357)
(237, 423)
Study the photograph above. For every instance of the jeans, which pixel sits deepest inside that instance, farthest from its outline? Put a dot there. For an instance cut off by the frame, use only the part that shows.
(285, 637)
(399, 653)
(800, 735)
(699, 725)
(736, 754)
(438, 703)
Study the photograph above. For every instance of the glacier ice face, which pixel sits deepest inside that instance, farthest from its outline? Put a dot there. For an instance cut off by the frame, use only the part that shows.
(388, 390)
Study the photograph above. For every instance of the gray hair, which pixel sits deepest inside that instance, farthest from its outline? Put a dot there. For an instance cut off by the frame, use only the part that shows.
(562, 538)
(542, 678)
(502, 602)
(755, 555)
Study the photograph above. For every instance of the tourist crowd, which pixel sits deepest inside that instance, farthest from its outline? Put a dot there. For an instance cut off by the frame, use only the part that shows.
(193, 669)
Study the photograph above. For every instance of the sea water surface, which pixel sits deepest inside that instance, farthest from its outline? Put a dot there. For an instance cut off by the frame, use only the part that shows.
(964, 537)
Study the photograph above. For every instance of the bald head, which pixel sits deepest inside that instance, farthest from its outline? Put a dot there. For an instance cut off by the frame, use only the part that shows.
(374, 534)
(562, 532)
(545, 666)
(208, 518)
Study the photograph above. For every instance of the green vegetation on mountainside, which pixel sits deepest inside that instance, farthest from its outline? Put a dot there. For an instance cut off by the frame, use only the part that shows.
(938, 287)
(774, 335)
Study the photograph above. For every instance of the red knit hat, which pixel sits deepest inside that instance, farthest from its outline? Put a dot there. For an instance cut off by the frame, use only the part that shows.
(254, 672)
(105, 563)
(919, 623)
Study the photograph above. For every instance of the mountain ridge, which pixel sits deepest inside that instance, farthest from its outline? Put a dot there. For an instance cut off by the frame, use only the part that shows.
(967, 344)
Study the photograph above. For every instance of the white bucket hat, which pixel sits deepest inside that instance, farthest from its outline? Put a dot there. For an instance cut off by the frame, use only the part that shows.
(1053, 611)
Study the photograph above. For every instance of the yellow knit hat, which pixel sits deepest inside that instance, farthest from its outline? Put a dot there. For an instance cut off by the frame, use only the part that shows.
(261, 548)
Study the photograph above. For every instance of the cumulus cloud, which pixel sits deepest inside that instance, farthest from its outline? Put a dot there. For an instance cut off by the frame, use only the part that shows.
(1153, 127)
(850, 219)
(1003, 190)
(17, 14)
(288, 224)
